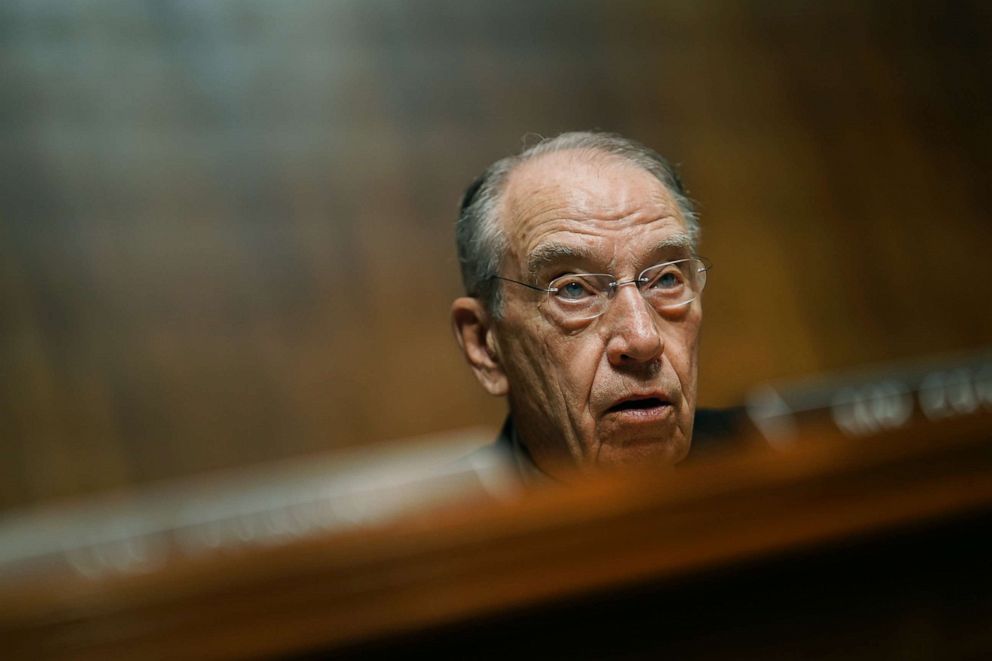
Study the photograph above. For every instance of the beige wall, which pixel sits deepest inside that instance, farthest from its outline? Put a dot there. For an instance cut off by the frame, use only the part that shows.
(226, 228)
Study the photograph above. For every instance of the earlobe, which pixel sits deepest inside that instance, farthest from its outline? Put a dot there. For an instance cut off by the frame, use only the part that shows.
(475, 334)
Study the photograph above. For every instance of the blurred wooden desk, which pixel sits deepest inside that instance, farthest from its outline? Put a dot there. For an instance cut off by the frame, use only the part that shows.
(836, 549)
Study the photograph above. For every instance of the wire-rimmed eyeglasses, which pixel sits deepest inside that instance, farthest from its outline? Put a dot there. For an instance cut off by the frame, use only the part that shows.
(583, 296)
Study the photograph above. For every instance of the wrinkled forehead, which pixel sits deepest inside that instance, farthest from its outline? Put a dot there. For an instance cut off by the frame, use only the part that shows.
(585, 194)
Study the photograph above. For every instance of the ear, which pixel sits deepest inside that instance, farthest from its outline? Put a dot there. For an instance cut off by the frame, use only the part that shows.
(474, 332)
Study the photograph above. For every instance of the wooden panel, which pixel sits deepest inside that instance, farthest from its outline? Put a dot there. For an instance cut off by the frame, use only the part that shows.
(414, 561)
(226, 229)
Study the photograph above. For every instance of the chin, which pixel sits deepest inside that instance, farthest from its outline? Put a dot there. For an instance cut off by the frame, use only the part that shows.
(631, 453)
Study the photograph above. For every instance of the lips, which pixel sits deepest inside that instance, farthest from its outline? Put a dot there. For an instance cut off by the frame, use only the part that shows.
(646, 403)
(638, 404)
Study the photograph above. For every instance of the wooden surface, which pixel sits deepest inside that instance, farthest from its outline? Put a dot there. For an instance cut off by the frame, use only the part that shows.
(226, 229)
(471, 557)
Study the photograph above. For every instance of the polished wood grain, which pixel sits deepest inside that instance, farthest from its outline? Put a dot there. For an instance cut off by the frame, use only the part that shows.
(471, 556)
(226, 230)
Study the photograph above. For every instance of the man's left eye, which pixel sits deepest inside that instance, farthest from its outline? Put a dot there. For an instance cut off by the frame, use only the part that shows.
(667, 280)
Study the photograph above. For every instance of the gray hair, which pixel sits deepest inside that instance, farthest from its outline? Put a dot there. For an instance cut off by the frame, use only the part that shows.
(479, 235)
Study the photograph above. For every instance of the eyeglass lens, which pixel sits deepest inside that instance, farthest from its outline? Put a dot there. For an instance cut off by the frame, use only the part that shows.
(665, 286)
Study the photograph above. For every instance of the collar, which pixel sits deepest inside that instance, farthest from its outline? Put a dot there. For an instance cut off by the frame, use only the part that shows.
(526, 469)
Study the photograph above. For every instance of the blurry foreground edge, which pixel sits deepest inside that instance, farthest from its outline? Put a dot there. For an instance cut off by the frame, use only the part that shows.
(240, 573)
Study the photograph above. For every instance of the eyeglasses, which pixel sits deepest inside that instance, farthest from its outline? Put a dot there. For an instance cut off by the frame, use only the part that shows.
(584, 296)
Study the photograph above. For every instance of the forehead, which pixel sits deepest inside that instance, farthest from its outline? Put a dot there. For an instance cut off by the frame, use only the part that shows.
(596, 203)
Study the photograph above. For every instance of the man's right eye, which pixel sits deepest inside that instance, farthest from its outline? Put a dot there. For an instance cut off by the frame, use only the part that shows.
(573, 289)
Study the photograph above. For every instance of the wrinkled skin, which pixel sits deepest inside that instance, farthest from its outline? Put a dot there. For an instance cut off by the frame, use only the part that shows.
(562, 381)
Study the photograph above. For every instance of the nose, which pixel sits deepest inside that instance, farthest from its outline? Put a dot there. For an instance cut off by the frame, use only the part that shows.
(634, 336)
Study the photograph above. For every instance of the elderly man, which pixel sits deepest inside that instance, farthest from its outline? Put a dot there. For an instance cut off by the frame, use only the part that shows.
(583, 306)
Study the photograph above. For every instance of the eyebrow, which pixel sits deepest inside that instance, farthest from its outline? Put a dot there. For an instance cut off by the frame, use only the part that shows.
(677, 241)
(551, 253)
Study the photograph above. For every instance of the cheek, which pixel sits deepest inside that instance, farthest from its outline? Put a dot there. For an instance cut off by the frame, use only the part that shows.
(553, 369)
(683, 347)
(560, 371)
(534, 364)
(578, 360)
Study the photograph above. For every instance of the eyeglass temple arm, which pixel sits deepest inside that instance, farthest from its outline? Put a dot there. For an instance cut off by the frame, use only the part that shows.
(528, 286)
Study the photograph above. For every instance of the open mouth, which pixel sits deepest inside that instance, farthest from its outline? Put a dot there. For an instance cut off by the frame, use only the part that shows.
(642, 404)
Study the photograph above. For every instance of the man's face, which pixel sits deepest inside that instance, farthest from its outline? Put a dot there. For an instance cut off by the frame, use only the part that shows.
(618, 389)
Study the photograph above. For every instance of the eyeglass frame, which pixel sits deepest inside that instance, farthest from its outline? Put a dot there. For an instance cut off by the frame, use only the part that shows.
(616, 284)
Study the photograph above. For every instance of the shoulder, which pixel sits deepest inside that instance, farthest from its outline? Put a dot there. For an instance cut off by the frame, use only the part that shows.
(494, 465)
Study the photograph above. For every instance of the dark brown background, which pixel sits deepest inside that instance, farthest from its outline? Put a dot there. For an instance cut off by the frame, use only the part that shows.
(225, 228)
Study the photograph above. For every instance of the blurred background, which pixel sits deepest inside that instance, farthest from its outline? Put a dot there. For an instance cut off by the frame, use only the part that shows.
(226, 227)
